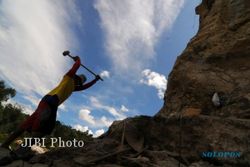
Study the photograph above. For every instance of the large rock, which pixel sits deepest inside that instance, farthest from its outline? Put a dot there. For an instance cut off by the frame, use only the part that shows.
(186, 138)
(167, 142)
(215, 60)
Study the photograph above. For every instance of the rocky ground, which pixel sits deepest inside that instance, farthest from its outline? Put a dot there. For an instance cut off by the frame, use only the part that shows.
(215, 60)
(157, 142)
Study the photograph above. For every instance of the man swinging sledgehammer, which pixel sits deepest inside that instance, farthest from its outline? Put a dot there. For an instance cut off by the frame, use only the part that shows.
(42, 121)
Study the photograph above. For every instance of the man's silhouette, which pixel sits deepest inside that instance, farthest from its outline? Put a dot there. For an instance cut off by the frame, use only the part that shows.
(42, 121)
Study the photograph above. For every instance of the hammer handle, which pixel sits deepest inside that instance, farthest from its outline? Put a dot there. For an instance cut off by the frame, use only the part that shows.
(86, 68)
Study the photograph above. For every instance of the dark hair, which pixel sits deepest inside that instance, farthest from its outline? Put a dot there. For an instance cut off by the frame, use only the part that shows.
(78, 80)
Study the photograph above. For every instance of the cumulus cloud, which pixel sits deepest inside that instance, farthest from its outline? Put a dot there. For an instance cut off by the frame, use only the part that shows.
(156, 80)
(98, 133)
(124, 109)
(113, 111)
(80, 128)
(105, 74)
(32, 36)
(27, 109)
(132, 29)
(84, 114)
(62, 107)
(105, 121)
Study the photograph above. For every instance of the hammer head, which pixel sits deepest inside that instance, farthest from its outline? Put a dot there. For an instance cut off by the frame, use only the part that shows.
(66, 53)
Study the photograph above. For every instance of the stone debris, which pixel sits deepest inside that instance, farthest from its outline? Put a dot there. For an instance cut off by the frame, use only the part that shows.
(216, 100)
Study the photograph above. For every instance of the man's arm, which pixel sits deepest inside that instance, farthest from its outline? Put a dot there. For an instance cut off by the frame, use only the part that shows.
(75, 67)
(87, 85)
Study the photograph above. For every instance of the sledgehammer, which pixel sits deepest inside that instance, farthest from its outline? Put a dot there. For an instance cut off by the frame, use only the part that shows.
(67, 53)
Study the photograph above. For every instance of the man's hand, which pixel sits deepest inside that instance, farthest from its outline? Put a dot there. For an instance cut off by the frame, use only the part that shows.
(76, 58)
(97, 77)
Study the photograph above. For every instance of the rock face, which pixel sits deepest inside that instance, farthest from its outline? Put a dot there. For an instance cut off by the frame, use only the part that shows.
(216, 60)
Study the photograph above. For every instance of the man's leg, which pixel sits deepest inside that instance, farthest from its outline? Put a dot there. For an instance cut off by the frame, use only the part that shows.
(25, 125)
(30, 122)
(12, 137)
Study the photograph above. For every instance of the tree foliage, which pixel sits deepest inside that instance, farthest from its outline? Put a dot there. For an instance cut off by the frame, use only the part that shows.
(6, 93)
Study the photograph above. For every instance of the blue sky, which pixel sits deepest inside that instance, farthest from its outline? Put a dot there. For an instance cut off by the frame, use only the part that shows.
(133, 44)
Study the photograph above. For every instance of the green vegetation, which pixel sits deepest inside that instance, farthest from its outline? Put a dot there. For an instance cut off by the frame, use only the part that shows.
(11, 116)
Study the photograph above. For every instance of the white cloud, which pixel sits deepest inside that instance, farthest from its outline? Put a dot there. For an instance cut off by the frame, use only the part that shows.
(62, 107)
(32, 99)
(84, 114)
(113, 111)
(156, 80)
(80, 128)
(26, 109)
(105, 74)
(32, 36)
(98, 133)
(132, 29)
(105, 121)
(124, 109)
